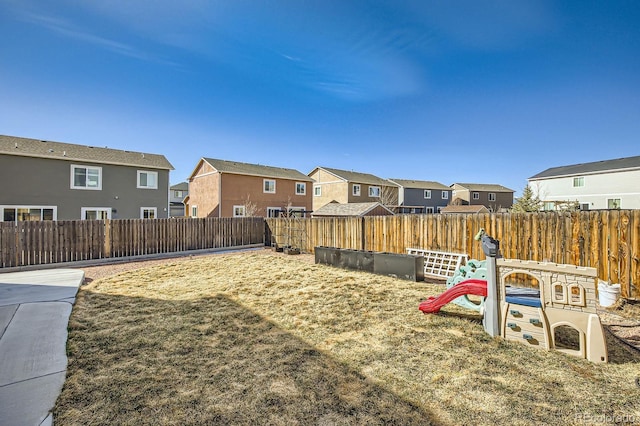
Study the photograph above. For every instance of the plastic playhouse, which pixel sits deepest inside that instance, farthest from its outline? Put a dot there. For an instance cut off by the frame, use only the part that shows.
(540, 304)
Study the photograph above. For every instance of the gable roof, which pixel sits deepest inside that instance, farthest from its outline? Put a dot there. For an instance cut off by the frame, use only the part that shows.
(476, 208)
(182, 186)
(420, 184)
(485, 187)
(357, 177)
(24, 147)
(619, 164)
(349, 209)
(235, 167)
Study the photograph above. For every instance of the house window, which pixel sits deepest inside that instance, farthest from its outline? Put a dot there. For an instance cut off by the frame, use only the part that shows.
(239, 211)
(194, 211)
(356, 190)
(177, 194)
(317, 190)
(273, 211)
(27, 213)
(269, 186)
(578, 181)
(476, 195)
(492, 196)
(301, 188)
(549, 206)
(374, 191)
(613, 203)
(147, 180)
(95, 213)
(429, 210)
(148, 212)
(427, 194)
(439, 209)
(86, 177)
(445, 195)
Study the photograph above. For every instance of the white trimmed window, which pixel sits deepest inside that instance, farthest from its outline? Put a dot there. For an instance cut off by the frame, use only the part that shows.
(445, 195)
(27, 213)
(148, 212)
(239, 211)
(613, 203)
(194, 211)
(429, 210)
(476, 195)
(177, 194)
(440, 209)
(86, 177)
(492, 196)
(147, 180)
(374, 191)
(95, 213)
(578, 182)
(268, 186)
(427, 194)
(356, 190)
(317, 190)
(301, 188)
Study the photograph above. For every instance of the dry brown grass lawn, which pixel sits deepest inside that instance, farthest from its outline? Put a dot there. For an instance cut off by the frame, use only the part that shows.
(260, 338)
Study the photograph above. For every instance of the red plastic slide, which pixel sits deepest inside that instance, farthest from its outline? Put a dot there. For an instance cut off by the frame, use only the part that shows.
(470, 286)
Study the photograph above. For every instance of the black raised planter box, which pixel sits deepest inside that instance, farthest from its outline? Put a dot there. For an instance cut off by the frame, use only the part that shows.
(403, 266)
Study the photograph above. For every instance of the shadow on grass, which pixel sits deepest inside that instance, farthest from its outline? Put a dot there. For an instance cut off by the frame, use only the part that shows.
(208, 361)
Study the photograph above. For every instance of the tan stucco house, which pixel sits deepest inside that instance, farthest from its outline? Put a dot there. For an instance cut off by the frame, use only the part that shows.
(222, 188)
(344, 186)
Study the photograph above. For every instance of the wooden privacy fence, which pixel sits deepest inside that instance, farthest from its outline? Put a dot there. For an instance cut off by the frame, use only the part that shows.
(608, 240)
(44, 242)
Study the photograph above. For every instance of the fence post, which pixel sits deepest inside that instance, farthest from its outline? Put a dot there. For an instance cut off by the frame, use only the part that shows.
(107, 238)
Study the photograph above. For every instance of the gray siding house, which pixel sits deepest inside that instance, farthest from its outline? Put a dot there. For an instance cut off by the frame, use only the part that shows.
(177, 194)
(419, 196)
(62, 181)
(494, 197)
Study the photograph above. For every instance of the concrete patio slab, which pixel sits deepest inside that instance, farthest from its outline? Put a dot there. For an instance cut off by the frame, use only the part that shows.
(34, 313)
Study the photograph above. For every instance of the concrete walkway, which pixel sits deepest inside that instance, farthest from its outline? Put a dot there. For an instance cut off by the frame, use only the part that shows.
(34, 314)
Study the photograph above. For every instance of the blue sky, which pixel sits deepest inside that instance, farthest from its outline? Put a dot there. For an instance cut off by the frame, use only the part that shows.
(451, 91)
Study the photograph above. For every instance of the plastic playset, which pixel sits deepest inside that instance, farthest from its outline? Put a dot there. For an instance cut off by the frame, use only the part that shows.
(541, 304)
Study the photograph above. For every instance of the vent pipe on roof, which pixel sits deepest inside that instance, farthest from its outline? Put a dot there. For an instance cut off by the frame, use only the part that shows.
(16, 145)
(64, 153)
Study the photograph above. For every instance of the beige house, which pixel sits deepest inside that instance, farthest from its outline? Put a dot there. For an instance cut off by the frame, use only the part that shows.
(220, 188)
(343, 186)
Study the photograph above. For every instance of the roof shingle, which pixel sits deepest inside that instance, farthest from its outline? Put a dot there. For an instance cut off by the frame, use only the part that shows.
(485, 187)
(358, 177)
(594, 167)
(235, 167)
(420, 184)
(348, 209)
(24, 147)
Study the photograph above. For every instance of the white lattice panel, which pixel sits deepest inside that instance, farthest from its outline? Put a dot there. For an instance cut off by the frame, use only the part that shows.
(440, 264)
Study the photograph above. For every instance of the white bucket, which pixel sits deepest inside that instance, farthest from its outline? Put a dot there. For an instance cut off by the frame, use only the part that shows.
(608, 293)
